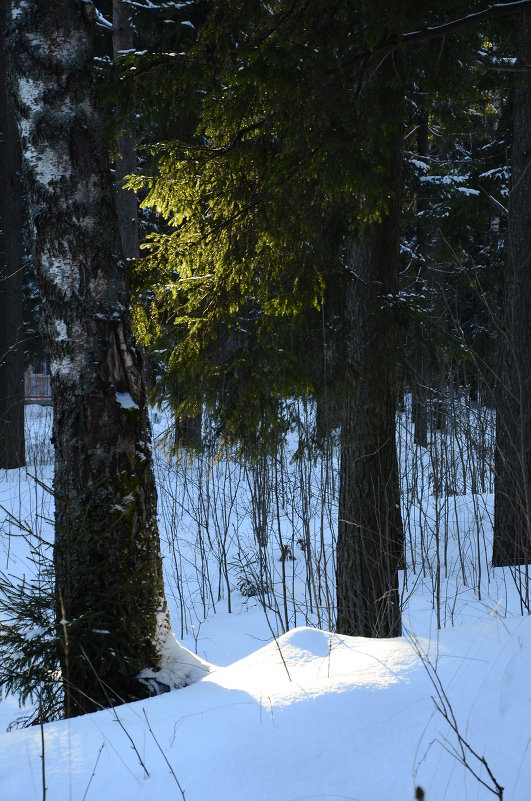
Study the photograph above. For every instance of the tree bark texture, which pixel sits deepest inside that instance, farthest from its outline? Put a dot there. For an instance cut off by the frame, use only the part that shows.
(512, 503)
(111, 610)
(125, 164)
(370, 534)
(12, 451)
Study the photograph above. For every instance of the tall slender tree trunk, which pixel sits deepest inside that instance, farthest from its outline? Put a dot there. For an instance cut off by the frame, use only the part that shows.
(12, 450)
(370, 534)
(111, 610)
(512, 501)
(420, 391)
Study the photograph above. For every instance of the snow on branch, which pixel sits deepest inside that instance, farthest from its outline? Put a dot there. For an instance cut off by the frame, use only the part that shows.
(385, 47)
(434, 31)
(102, 21)
(159, 6)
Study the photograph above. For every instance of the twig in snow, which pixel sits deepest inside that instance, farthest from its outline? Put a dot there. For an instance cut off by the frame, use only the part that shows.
(93, 771)
(43, 755)
(463, 751)
(163, 754)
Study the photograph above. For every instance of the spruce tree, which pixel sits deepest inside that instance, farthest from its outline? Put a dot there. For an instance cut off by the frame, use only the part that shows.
(282, 201)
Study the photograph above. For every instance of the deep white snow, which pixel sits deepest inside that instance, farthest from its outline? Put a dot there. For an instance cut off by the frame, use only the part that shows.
(308, 715)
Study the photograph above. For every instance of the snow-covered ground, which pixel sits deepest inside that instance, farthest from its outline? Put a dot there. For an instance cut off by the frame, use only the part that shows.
(308, 715)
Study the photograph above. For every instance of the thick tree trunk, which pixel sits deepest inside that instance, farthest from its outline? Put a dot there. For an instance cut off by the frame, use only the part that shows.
(111, 610)
(512, 503)
(125, 164)
(370, 534)
(12, 452)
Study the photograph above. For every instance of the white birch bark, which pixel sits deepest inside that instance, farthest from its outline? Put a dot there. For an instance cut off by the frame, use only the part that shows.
(111, 611)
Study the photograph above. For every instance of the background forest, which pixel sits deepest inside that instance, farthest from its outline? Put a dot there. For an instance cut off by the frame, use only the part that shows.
(297, 236)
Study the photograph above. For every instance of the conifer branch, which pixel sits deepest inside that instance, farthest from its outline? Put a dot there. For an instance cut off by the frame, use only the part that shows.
(387, 46)
(434, 32)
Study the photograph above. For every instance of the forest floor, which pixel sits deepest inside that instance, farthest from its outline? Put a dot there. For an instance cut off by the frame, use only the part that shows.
(304, 714)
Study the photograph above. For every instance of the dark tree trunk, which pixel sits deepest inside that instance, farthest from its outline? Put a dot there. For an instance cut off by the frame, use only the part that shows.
(12, 452)
(512, 502)
(188, 432)
(111, 610)
(420, 391)
(370, 534)
(125, 164)
(420, 412)
(327, 418)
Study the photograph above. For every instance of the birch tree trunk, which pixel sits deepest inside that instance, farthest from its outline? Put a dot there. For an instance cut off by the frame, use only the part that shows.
(12, 450)
(111, 610)
(512, 500)
(370, 534)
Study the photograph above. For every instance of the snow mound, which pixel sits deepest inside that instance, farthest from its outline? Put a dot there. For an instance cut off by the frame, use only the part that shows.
(179, 667)
(309, 716)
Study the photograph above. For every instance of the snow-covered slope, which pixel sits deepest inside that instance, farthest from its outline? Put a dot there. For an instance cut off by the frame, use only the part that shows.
(310, 716)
